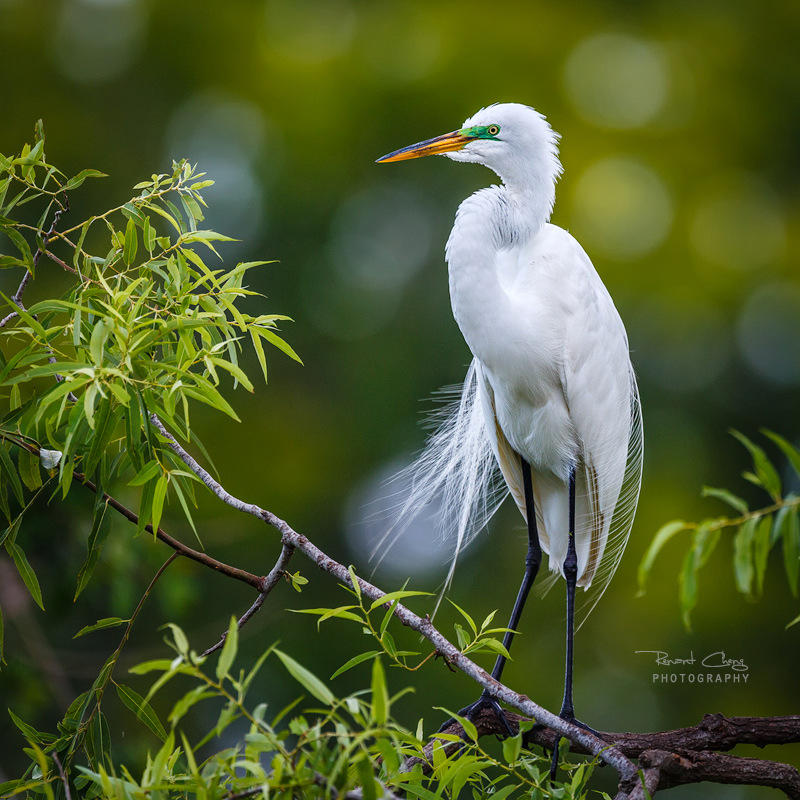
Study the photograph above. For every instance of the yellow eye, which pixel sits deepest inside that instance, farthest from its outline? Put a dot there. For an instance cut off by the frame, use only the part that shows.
(493, 130)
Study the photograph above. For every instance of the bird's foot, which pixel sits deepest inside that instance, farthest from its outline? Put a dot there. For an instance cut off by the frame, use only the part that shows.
(473, 711)
(568, 716)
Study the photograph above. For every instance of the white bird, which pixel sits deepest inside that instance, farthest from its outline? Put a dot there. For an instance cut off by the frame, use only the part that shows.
(550, 397)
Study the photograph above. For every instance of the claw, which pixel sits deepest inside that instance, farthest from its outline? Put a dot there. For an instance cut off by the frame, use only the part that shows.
(472, 711)
(578, 723)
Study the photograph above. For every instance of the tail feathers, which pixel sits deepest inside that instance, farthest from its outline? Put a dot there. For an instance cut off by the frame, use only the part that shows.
(458, 469)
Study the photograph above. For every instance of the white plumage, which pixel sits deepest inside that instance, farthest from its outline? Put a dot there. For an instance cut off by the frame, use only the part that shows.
(551, 378)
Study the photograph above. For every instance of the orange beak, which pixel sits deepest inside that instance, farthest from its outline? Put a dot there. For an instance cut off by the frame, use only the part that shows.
(439, 144)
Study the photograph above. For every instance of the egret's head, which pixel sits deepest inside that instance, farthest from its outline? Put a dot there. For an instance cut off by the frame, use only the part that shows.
(513, 140)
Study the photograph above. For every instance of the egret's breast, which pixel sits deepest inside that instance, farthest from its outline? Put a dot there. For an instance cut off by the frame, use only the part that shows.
(506, 302)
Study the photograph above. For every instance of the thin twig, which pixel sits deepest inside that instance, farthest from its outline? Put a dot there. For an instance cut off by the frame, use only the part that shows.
(270, 581)
(67, 792)
(16, 298)
(452, 654)
(112, 661)
(184, 550)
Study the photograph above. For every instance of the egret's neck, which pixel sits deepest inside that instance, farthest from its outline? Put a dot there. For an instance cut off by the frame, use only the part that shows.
(531, 191)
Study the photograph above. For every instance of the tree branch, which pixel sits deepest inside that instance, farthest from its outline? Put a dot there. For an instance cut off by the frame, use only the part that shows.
(669, 758)
(270, 581)
(195, 555)
(453, 655)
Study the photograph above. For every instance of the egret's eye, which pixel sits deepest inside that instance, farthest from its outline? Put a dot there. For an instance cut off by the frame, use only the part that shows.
(493, 130)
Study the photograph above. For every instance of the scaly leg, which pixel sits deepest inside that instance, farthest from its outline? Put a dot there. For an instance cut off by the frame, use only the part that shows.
(570, 574)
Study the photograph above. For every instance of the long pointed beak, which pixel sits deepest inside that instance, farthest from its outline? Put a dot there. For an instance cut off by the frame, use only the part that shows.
(439, 144)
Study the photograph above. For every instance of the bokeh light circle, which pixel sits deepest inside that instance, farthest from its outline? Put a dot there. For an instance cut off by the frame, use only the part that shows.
(95, 41)
(738, 223)
(681, 343)
(769, 332)
(617, 81)
(226, 135)
(308, 31)
(621, 209)
(381, 236)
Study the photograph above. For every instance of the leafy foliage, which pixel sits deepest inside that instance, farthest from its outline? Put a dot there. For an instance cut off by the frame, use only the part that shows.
(321, 750)
(374, 619)
(755, 532)
(146, 327)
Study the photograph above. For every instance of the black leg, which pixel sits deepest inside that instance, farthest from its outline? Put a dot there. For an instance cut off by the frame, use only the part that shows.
(532, 562)
(570, 575)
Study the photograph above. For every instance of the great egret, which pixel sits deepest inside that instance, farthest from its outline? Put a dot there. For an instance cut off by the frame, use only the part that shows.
(550, 397)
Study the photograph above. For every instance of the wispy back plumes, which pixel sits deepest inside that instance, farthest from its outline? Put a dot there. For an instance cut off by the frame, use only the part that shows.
(458, 468)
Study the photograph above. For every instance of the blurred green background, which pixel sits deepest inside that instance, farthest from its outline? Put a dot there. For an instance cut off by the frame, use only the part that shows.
(680, 124)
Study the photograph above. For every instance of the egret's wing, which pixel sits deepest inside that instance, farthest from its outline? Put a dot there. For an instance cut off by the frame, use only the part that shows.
(507, 459)
(603, 400)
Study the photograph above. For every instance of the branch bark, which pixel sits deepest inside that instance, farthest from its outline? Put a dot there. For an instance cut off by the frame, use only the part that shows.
(675, 757)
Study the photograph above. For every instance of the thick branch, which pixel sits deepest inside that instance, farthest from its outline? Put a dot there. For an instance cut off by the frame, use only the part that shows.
(408, 618)
(676, 769)
(671, 758)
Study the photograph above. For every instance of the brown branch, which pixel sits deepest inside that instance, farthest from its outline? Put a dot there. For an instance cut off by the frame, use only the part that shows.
(677, 769)
(195, 555)
(270, 581)
(668, 758)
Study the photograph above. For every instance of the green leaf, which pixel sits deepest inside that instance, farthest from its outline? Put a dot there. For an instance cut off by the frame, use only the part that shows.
(791, 452)
(380, 694)
(354, 580)
(307, 679)
(726, 497)
(7, 466)
(29, 469)
(100, 333)
(467, 617)
(663, 535)
(355, 661)
(400, 594)
(469, 727)
(765, 471)
(131, 243)
(28, 731)
(191, 698)
(77, 180)
(788, 523)
(25, 571)
(146, 473)
(512, 747)
(762, 542)
(181, 642)
(143, 710)
(97, 538)
(282, 345)
(687, 587)
(228, 653)
(743, 556)
(102, 624)
(159, 493)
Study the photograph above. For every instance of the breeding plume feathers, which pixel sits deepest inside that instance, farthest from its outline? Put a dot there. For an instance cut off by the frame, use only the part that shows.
(458, 470)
